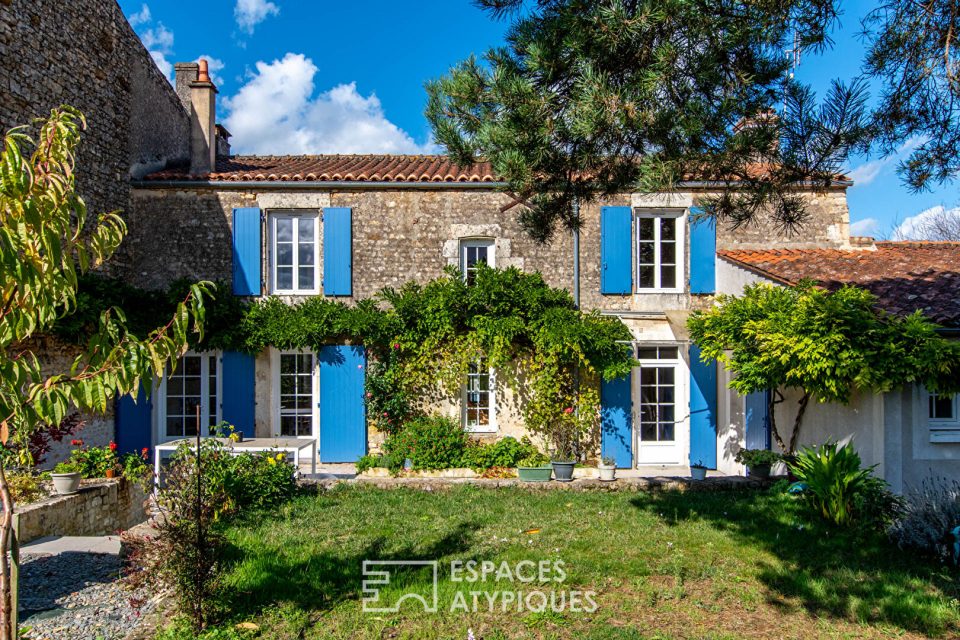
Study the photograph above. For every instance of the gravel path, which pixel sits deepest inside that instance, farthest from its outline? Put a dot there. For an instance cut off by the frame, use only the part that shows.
(78, 596)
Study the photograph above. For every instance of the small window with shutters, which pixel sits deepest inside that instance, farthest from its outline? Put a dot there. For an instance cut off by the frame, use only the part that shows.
(294, 238)
(660, 251)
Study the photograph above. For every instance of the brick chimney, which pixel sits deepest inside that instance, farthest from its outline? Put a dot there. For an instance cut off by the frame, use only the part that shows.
(199, 97)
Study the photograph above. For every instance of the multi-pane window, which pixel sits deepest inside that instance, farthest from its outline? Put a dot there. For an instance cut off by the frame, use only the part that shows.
(192, 385)
(944, 418)
(478, 398)
(659, 251)
(297, 394)
(658, 369)
(942, 408)
(294, 252)
(474, 252)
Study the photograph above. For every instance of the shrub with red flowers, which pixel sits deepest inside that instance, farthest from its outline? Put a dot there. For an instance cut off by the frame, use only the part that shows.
(94, 462)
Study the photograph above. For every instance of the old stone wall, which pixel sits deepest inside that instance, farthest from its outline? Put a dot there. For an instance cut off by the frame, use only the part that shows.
(100, 508)
(55, 357)
(85, 54)
(413, 234)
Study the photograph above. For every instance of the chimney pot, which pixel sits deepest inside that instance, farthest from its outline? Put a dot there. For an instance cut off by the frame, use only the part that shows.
(203, 72)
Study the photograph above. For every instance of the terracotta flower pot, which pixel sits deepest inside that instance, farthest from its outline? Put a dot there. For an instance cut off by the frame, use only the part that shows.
(111, 473)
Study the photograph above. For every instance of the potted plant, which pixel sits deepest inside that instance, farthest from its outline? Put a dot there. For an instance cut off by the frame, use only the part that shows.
(607, 469)
(66, 478)
(698, 470)
(534, 468)
(758, 461)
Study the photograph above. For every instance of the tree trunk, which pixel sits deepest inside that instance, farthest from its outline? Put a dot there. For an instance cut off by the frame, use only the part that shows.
(772, 415)
(804, 401)
(7, 630)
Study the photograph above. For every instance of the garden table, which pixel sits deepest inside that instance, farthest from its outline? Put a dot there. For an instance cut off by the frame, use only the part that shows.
(298, 447)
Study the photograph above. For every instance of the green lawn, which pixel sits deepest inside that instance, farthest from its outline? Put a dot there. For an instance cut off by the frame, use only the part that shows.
(663, 565)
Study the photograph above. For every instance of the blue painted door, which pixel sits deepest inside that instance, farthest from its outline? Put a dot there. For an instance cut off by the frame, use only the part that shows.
(237, 406)
(616, 424)
(757, 420)
(703, 410)
(343, 410)
(133, 422)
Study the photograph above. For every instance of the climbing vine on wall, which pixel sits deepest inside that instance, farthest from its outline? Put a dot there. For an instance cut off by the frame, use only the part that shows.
(423, 338)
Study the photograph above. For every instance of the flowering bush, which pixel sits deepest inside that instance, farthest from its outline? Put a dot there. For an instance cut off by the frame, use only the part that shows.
(94, 462)
(433, 442)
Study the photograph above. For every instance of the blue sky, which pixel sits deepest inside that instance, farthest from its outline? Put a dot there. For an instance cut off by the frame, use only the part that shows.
(327, 77)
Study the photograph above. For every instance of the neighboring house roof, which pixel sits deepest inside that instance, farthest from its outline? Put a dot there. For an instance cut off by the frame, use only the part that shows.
(905, 276)
(336, 168)
(352, 168)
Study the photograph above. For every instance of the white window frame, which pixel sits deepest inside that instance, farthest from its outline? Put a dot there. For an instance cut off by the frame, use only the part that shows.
(679, 446)
(943, 429)
(273, 217)
(489, 244)
(161, 404)
(276, 411)
(491, 427)
(680, 217)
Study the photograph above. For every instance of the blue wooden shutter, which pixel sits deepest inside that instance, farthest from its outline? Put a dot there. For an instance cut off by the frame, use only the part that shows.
(616, 257)
(337, 251)
(133, 422)
(756, 420)
(246, 251)
(343, 409)
(703, 253)
(238, 386)
(703, 410)
(616, 423)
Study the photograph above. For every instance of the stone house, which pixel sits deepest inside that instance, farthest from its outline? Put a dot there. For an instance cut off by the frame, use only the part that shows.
(344, 227)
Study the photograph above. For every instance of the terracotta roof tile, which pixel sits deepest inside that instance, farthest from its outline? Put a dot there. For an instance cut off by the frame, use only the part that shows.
(905, 276)
(334, 168)
(354, 168)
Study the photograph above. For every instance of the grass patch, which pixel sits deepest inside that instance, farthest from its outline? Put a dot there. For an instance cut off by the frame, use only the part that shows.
(662, 565)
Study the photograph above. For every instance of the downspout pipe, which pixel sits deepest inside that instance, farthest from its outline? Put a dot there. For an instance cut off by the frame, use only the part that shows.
(575, 208)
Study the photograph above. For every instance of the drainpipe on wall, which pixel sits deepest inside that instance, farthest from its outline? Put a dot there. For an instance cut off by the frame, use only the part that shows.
(575, 207)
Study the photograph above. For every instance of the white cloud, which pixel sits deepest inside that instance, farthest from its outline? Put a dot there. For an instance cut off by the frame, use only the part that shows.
(250, 13)
(141, 17)
(865, 227)
(214, 66)
(276, 112)
(918, 227)
(158, 38)
(162, 63)
(867, 172)
(155, 37)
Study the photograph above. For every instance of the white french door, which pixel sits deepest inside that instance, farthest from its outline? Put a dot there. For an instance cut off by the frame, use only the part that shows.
(658, 394)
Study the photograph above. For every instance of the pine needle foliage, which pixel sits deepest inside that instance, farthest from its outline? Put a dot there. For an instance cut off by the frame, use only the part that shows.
(594, 97)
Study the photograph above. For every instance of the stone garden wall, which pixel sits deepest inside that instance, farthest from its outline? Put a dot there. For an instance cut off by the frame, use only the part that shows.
(101, 507)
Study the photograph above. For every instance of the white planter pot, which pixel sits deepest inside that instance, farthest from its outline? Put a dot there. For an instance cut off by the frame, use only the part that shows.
(66, 483)
(607, 474)
(698, 473)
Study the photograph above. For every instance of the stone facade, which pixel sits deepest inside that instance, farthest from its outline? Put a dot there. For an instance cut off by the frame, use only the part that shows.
(411, 233)
(85, 54)
(100, 508)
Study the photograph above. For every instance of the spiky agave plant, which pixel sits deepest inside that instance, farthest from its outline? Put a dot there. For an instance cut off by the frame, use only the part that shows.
(834, 477)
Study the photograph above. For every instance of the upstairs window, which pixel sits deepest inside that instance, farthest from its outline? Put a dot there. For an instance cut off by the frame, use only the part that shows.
(294, 241)
(473, 253)
(943, 413)
(478, 399)
(660, 251)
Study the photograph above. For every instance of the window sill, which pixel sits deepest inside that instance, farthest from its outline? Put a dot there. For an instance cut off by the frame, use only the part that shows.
(649, 291)
(483, 430)
(945, 436)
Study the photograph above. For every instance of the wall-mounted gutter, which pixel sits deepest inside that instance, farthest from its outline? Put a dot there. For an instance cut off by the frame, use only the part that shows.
(321, 185)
